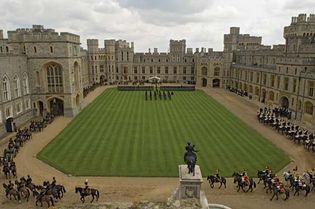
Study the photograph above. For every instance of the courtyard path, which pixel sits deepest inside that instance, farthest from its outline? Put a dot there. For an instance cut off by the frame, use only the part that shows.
(125, 189)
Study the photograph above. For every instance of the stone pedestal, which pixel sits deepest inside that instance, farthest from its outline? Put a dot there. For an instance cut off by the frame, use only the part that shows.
(189, 185)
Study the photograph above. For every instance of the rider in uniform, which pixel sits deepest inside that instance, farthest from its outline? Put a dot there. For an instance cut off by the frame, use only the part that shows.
(217, 175)
(10, 185)
(28, 180)
(86, 188)
(244, 176)
(53, 183)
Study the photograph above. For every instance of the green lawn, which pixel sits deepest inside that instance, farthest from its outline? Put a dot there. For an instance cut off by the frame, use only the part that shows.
(121, 134)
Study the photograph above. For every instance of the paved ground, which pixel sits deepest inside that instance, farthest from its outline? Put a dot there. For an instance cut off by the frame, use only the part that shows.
(121, 189)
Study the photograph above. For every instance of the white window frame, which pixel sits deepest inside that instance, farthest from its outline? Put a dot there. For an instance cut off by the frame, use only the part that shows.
(19, 106)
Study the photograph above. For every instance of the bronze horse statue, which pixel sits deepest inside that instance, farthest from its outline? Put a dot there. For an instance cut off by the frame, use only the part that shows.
(190, 159)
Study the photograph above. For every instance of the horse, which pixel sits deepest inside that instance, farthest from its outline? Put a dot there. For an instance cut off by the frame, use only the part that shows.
(6, 171)
(43, 198)
(83, 193)
(190, 159)
(288, 177)
(11, 192)
(298, 188)
(60, 189)
(262, 175)
(214, 179)
(241, 184)
(281, 191)
(308, 177)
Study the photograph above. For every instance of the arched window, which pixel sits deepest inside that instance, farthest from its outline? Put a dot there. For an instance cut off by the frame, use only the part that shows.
(25, 85)
(6, 89)
(54, 78)
(16, 86)
(204, 71)
(271, 96)
(217, 71)
(308, 107)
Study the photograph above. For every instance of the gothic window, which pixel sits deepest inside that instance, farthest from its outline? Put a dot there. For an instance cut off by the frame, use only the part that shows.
(6, 89)
(311, 88)
(54, 78)
(216, 71)
(204, 71)
(309, 108)
(16, 86)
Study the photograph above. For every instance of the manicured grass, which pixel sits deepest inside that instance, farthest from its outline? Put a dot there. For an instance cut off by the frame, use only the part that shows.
(121, 134)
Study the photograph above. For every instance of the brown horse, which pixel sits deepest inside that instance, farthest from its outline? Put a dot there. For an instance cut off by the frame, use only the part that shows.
(11, 192)
(43, 198)
(83, 193)
(23, 190)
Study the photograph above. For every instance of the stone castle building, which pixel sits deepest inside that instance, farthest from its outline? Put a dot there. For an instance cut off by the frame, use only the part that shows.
(282, 74)
(45, 71)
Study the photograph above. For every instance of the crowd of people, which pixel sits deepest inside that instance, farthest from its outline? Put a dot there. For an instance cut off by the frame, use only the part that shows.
(239, 92)
(279, 119)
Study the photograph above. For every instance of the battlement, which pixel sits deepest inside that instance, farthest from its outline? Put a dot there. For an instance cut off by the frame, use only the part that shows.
(123, 44)
(300, 26)
(235, 30)
(39, 34)
(303, 18)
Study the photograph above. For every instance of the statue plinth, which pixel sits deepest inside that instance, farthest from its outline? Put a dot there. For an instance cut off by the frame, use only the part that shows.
(189, 185)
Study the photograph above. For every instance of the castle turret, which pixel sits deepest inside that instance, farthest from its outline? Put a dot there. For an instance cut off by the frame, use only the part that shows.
(299, 34)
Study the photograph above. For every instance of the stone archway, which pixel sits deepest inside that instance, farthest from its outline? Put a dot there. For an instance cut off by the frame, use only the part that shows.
(204, 82)
(284, 102)
(102, 79)
(216, 83)
(56, 106)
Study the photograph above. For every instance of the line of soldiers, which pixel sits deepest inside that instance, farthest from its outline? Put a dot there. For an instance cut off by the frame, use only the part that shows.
(158, 94)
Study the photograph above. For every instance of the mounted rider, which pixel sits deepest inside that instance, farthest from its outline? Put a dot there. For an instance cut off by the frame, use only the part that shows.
(29, 179)
(53, 183)
(217, 174)
(10, 185)
(244, 177)
(190, 147)
(86, 188)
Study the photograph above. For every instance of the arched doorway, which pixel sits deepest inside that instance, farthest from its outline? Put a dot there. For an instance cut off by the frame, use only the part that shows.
(40, 107)
(216, 83)
(56, 106)
(204, 82)
(102, 79)
(284, 102)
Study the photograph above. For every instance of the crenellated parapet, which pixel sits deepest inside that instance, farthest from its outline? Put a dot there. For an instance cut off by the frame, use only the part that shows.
(300, 26)
(38, 34)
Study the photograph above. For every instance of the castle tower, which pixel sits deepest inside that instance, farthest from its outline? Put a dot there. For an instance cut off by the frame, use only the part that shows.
(299, 34)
